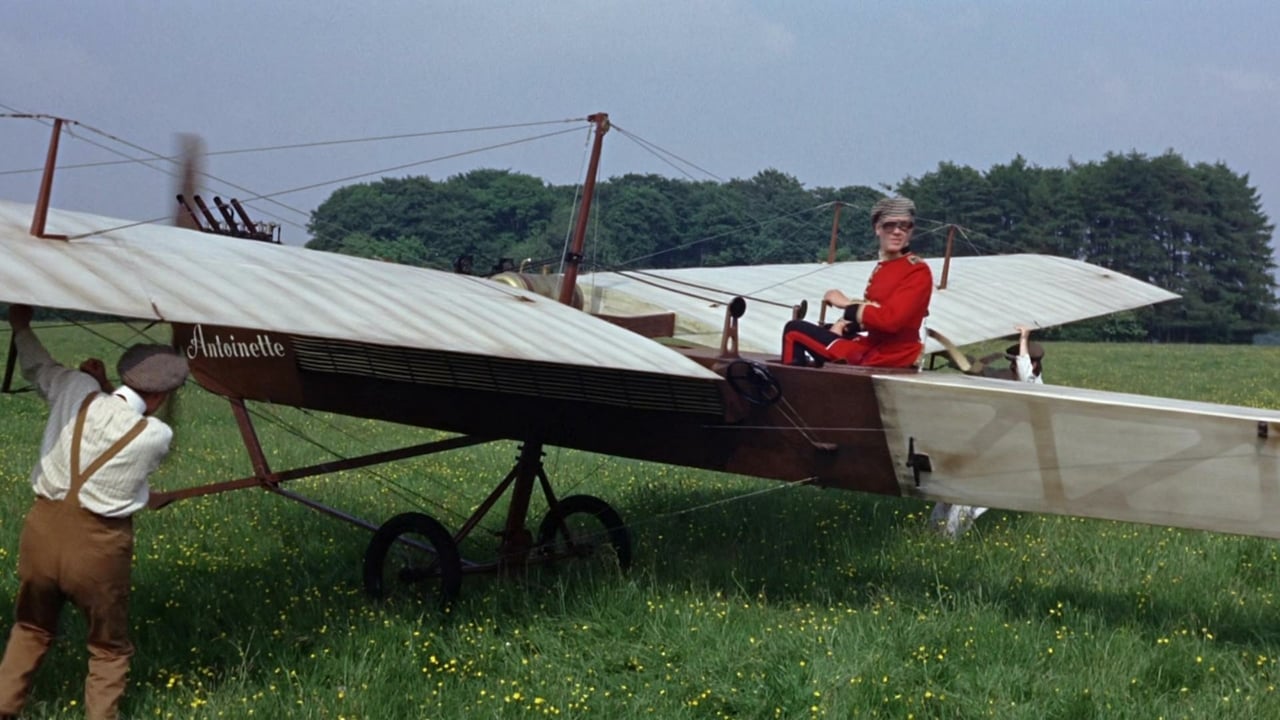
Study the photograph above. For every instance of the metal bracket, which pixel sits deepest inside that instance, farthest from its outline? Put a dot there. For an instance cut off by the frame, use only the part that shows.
(918, 462)
(729, 335)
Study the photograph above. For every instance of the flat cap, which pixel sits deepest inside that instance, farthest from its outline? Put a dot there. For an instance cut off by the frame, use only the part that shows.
(893, 207)
(152, 368)
(1034, 351)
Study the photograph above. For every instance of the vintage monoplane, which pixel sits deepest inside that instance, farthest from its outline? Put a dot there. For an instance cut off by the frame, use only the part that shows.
(445, 351)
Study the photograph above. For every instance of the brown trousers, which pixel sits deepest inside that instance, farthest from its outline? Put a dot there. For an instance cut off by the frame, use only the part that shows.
(69, 553)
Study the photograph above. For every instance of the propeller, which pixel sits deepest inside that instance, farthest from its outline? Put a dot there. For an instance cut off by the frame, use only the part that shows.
(191, 150)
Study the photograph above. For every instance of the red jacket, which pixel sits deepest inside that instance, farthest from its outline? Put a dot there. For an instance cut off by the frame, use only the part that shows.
(902, 287)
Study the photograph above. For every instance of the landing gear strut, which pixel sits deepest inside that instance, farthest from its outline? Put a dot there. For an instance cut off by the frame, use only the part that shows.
(415, 549)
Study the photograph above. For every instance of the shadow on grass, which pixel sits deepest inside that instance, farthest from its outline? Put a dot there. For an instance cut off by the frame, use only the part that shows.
(811, 546)
(215, 619)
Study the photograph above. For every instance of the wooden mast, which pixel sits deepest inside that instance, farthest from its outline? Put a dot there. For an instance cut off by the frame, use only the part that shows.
(946, 262)
(835, 234)
(46, 185)
(574, 257)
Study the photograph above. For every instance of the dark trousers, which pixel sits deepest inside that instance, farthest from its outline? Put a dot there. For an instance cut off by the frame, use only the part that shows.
(802, 340)
(69, 553)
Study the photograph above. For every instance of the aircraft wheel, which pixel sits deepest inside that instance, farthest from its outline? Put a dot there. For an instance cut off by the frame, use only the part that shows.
(585, 526)
(412, 549)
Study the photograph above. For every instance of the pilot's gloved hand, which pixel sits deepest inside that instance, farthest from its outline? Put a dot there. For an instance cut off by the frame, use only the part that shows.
(851, 325)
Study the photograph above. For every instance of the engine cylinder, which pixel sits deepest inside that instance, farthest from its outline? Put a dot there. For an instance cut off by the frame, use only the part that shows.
(546, 285)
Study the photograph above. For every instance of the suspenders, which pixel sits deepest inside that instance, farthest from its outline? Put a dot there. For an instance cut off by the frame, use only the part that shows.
(79, 478)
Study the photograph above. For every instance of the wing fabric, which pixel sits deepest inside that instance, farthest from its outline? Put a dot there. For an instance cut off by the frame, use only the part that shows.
(984, 297)
(175, 275)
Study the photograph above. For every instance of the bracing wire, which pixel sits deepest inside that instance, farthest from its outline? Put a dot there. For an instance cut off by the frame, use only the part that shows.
(577, 198)
(666, 156)
(275, 148)
(155, 157)
(279, 422)
(270, 197)
(753, 224)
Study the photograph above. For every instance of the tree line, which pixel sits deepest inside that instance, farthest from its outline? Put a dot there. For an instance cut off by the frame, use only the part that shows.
(1197, 230)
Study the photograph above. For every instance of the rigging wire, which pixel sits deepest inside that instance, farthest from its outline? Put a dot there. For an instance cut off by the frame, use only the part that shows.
(731, 231)
(663, 155)
(781, 428)
(962, 231)
(275, 419)
(404, 492)
(577, 198)
(155, 157)
(68, 126)
(640, 275)
(416, 163)
(754, 224)
(44, 119)
(270, 197)
(413, 496)
(422, 500)
(657, 279)
(258, 410)
(780, 486)
(274, 148)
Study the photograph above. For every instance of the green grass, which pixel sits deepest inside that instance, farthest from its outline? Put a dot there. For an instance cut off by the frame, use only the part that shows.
(748, 598)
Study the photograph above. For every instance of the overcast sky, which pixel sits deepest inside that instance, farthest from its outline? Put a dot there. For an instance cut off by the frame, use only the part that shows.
(833, 93)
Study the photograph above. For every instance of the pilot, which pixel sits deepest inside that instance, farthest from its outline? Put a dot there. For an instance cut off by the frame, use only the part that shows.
(881, 329)
(99, 447)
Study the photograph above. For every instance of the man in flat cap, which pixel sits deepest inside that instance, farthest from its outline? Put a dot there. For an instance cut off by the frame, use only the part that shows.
(99, 447)
(882, 328)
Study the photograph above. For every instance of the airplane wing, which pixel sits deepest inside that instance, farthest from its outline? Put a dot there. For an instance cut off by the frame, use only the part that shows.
(1071, 451)
(175, 275)
(984, 298)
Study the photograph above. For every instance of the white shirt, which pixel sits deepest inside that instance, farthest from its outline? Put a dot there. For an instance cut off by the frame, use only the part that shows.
(119, 488)
(1025, 371)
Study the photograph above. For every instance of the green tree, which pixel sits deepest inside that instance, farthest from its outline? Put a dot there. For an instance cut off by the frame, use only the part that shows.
(1196, 230)
(958, 195)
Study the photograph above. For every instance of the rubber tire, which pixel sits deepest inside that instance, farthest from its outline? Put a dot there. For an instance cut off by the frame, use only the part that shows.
(447, 569)
(618, 535)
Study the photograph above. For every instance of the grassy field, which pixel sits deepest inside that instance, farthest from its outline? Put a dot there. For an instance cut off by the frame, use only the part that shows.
(747, 599)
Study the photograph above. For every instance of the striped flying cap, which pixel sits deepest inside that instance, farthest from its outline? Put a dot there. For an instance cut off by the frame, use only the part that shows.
(893, 207)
